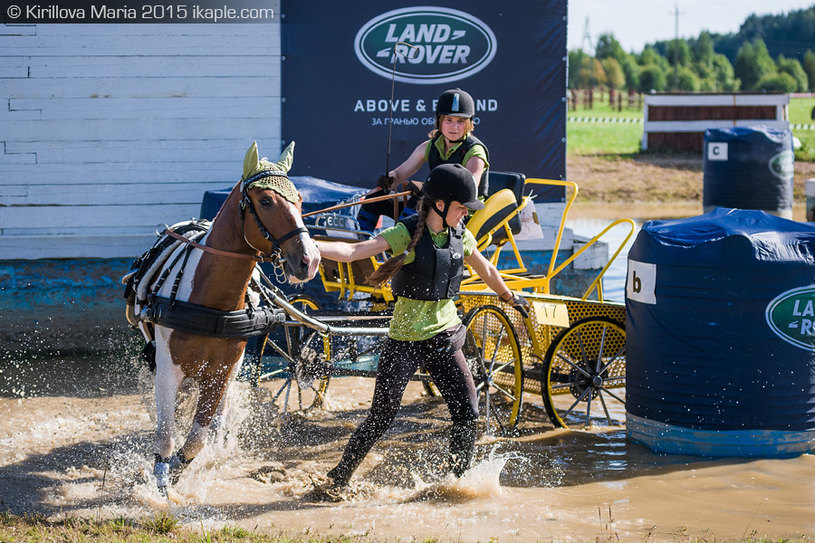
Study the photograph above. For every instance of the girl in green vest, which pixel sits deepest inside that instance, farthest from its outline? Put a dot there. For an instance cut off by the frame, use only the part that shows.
(430, 250)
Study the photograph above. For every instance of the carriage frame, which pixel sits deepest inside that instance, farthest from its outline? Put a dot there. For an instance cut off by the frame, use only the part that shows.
(569, 351)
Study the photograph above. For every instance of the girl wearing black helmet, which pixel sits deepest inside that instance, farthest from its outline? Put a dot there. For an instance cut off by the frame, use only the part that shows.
(430, 249)
(450, 142)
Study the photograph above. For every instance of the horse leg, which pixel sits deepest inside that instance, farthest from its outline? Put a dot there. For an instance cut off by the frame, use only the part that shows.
(218, 427)
(210, 393)
(168, 379)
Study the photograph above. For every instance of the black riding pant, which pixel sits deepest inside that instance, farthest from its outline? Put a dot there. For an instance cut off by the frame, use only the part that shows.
(444, 361)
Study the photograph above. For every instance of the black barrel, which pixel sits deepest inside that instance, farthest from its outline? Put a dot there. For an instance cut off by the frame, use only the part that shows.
(749, 168)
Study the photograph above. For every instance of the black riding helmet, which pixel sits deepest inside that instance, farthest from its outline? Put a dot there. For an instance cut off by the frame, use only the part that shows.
(455, 103)
(452, 182)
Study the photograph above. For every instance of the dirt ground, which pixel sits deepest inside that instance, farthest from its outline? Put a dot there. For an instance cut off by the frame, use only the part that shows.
(651, 186)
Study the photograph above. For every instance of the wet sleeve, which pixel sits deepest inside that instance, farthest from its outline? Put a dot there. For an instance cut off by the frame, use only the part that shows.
(397, 237)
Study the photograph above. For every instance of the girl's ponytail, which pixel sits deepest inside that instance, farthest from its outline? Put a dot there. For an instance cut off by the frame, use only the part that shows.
(389, 268)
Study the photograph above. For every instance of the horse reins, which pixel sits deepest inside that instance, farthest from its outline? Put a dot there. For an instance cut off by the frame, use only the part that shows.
(220, 252)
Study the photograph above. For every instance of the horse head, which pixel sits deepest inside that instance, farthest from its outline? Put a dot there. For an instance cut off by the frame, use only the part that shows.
(276, 207)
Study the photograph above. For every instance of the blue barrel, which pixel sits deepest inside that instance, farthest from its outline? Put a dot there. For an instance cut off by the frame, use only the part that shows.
(721, 335)
(748, 168)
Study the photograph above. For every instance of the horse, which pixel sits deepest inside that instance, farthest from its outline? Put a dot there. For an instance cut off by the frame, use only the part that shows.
(213, 272)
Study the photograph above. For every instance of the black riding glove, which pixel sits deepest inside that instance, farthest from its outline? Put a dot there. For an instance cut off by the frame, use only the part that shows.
(415, 190)
(385, 182)
(518, 303)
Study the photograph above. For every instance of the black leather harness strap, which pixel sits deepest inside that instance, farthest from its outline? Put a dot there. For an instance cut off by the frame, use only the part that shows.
(198, 319)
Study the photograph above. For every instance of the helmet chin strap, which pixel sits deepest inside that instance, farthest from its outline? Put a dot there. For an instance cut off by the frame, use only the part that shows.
(442, 214)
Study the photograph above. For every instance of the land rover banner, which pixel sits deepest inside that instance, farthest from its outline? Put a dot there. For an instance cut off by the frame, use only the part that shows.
(342, 61)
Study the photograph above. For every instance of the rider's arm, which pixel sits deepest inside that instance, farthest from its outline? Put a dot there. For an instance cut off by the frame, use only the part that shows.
(476, 166)
(476, 162)
(492, 277)
(342, 251)
(411, 165)
(488, 273)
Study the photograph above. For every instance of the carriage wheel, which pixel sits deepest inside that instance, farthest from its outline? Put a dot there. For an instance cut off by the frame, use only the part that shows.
(492, 351)
(307, 355)
(583, 381)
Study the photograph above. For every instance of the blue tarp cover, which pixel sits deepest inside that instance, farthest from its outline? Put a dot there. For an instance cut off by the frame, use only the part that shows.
(317, 194)
(755, 172)
(705, 356)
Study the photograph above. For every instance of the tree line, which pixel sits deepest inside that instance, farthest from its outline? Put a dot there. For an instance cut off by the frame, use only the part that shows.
(768, 53)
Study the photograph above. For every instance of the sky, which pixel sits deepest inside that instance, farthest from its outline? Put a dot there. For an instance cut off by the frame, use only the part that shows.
(636, 23)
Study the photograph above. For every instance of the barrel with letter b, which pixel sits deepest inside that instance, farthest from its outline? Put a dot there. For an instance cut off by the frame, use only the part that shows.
(720, 335)
(748, 168)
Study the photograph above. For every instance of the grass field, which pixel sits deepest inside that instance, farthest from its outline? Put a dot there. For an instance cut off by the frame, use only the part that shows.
(165, 528)
(613, 138)
(589, 138)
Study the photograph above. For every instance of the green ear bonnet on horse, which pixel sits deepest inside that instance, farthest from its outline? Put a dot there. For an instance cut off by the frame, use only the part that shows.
(265, 174)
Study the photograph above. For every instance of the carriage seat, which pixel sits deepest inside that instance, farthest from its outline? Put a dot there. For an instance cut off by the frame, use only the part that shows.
(500, 216)
(514, 181)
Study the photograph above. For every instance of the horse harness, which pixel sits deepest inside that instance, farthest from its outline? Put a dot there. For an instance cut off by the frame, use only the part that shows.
(170, 312)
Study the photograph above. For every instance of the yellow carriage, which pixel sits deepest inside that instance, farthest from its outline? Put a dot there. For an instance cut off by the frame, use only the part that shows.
(569, 351)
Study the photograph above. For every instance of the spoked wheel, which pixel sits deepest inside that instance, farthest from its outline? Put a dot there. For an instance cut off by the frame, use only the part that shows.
(304, 361)
(583, 381)
(492, 351)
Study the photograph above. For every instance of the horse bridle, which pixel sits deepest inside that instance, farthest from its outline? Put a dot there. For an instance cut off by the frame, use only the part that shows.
(246, 203)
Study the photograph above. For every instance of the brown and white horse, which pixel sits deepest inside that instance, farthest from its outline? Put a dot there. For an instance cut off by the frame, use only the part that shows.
(254, 223)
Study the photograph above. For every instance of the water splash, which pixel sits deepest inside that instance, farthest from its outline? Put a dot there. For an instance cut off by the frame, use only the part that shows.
(480, 481)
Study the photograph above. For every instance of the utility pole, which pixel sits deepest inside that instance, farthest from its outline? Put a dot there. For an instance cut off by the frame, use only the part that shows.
(676, 44)
(587, 44)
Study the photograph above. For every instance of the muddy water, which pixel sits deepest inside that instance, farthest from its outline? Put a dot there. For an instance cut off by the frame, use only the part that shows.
(75, 439)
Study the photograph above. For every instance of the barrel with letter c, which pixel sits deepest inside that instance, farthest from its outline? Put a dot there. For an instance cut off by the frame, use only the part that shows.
(748, 168)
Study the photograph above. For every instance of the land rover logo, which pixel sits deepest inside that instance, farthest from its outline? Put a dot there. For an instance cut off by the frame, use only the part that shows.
(449, 45)
(791, 316)
(783, 164)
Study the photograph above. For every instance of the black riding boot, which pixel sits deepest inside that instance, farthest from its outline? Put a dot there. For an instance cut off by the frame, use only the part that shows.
(462, 444)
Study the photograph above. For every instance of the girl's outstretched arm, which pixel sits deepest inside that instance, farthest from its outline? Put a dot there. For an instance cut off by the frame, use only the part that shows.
(492, 277)
(488, 273)
(343, 251)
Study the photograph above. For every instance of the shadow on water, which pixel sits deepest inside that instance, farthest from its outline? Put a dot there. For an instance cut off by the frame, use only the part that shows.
(80, 374)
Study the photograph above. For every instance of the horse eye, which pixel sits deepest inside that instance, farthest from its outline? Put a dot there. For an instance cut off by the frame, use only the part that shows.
(266, 201)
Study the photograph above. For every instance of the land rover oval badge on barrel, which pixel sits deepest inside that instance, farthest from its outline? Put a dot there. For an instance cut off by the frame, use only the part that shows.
(791, 316)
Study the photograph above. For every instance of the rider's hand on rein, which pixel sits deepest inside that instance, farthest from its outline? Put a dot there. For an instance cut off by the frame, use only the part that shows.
(518, 303)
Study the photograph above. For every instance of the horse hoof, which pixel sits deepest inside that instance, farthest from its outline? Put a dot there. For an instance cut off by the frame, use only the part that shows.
(162, 472)
(177, 462)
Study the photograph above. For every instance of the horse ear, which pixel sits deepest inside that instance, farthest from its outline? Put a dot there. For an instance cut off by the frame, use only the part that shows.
(286, 158)
(250, 160)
